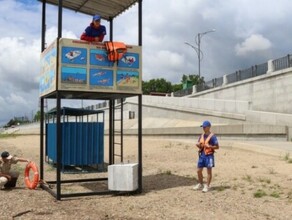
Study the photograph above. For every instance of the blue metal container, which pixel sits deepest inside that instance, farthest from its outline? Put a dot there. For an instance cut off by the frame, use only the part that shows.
(82, 142)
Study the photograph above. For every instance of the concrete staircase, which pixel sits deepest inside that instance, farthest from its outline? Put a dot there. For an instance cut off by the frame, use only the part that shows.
(181, 117)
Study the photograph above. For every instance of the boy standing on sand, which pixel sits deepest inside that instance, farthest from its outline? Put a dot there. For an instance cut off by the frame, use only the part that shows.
(207, 144)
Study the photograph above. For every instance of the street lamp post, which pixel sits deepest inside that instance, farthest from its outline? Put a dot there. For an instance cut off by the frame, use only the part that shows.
(198, 48)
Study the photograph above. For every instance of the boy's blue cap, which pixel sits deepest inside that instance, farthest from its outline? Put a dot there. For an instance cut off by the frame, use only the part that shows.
(206, 124)
(96, 17)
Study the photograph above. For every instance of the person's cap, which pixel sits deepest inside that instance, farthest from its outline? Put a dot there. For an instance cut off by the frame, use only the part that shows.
(6, 155)
(206, 124)
(96, 17)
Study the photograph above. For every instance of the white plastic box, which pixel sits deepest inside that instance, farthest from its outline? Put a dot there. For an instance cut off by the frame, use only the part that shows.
(123, 177)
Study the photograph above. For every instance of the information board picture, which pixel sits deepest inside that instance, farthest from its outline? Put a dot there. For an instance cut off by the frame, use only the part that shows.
(101, 77)
(73, 75)
(74, 55)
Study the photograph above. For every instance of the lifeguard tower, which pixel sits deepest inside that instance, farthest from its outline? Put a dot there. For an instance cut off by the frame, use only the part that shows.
(75, 69)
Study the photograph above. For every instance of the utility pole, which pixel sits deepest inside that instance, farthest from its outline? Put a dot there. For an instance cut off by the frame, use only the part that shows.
(198, 48)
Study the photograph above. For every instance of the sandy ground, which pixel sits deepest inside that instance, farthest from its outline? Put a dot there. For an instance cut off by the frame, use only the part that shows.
(246, 185)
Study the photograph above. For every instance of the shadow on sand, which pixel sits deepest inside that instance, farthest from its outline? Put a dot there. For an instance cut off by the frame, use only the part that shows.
(155, 182)
(165, 181)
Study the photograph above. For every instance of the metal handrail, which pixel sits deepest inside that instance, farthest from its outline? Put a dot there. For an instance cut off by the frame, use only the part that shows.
(253, 71)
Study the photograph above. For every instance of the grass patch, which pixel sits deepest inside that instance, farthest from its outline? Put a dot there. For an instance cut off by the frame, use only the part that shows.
(222, 187)
(264, 180)
(275, 194)
(191, 177)
(8, 135)
(131, 208)
(275, 186)
(186, 147)
(289, 196)
(259, 193)
(68, 189)
(272, 171)
(286, 157)
(247, 178)
(166, 172)
(170, 145)
(50, 169)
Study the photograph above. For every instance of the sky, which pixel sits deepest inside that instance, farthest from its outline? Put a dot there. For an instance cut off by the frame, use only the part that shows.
(246, 33)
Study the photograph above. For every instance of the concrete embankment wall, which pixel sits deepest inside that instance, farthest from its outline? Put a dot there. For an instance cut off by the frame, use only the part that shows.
(182, 122)
(264, 100)
(269, 97)
(256, 107)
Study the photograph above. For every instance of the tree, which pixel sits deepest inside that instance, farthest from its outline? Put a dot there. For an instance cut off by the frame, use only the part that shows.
(163, 86)
(176, 87)
(37, 116)
(11, 122)
(156, 85)
(195, 79)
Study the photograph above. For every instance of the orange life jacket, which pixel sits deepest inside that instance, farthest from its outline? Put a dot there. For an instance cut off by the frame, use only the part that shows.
(115, 50)
(207, 150)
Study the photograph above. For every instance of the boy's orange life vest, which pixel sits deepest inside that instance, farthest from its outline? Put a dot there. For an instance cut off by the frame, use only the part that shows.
(207, 150)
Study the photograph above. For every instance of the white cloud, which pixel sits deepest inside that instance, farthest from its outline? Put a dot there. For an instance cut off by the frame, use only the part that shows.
(15, 99)
(19, 62)
(167, 24)
(255, 42)
(168, 58)
(156, 64)
(52, 33)
(17, 105)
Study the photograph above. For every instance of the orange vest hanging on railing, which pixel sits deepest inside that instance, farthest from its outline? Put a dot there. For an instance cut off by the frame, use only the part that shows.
(207, 150)
(115, 50)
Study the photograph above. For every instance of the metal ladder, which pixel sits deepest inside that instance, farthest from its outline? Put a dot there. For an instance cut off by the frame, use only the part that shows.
(117, 132)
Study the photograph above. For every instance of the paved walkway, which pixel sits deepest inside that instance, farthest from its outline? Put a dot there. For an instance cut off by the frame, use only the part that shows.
(266, 147)
(275, 148)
